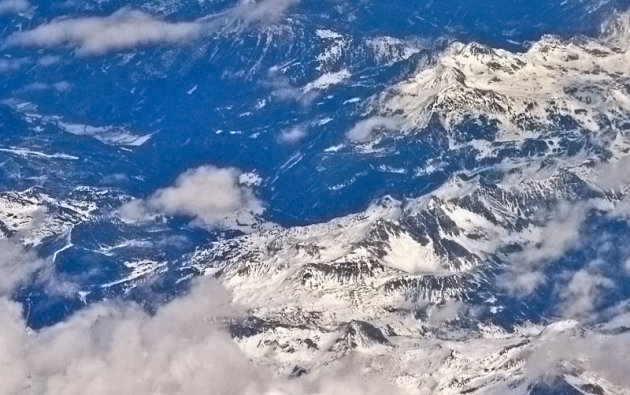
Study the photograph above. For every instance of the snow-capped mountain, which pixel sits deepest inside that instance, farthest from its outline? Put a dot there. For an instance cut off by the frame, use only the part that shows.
(428, 244)
(381, 284)
(472, 239)
(557, 84)
(375, 283)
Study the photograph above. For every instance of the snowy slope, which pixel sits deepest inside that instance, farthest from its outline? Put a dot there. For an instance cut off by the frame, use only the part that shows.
(32, 216)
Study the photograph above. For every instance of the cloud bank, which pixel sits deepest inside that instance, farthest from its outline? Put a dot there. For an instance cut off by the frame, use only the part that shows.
(212, 196)
(128, 28)
(117, 348)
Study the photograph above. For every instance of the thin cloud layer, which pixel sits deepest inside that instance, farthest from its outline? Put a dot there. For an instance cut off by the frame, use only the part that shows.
(11, 65)
(128, 28)
(13, 6)
(213, 196)
(266, 11)
(613, 175)
(601, 353)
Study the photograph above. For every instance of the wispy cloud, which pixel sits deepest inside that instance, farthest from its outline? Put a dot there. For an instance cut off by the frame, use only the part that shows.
(124, 29)
(8, 65)
(580, 295)
(128, 28)
(542, 244)
(265, 11)
(362, 131)
(292, 135)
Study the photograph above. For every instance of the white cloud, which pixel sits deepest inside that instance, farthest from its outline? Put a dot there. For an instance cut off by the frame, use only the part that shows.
(363, 130)
(541, 245)
(521, 282)
(613, 175)
(602, 354)
(16, 266)
(213, 196)
(48, 60)
(621, 209)
(61, 86)
(13, 6)
(128, 28)
(114, 347)
(265, 11)
(292, 135)
(19, 265)
(117, 348)
(581, 294)
(450, 310)
(124, 29)
(282, 90)
(8, 65)
(559, 233)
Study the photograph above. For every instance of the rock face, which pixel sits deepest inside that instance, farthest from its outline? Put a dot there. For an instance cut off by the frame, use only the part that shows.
(580, 83)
